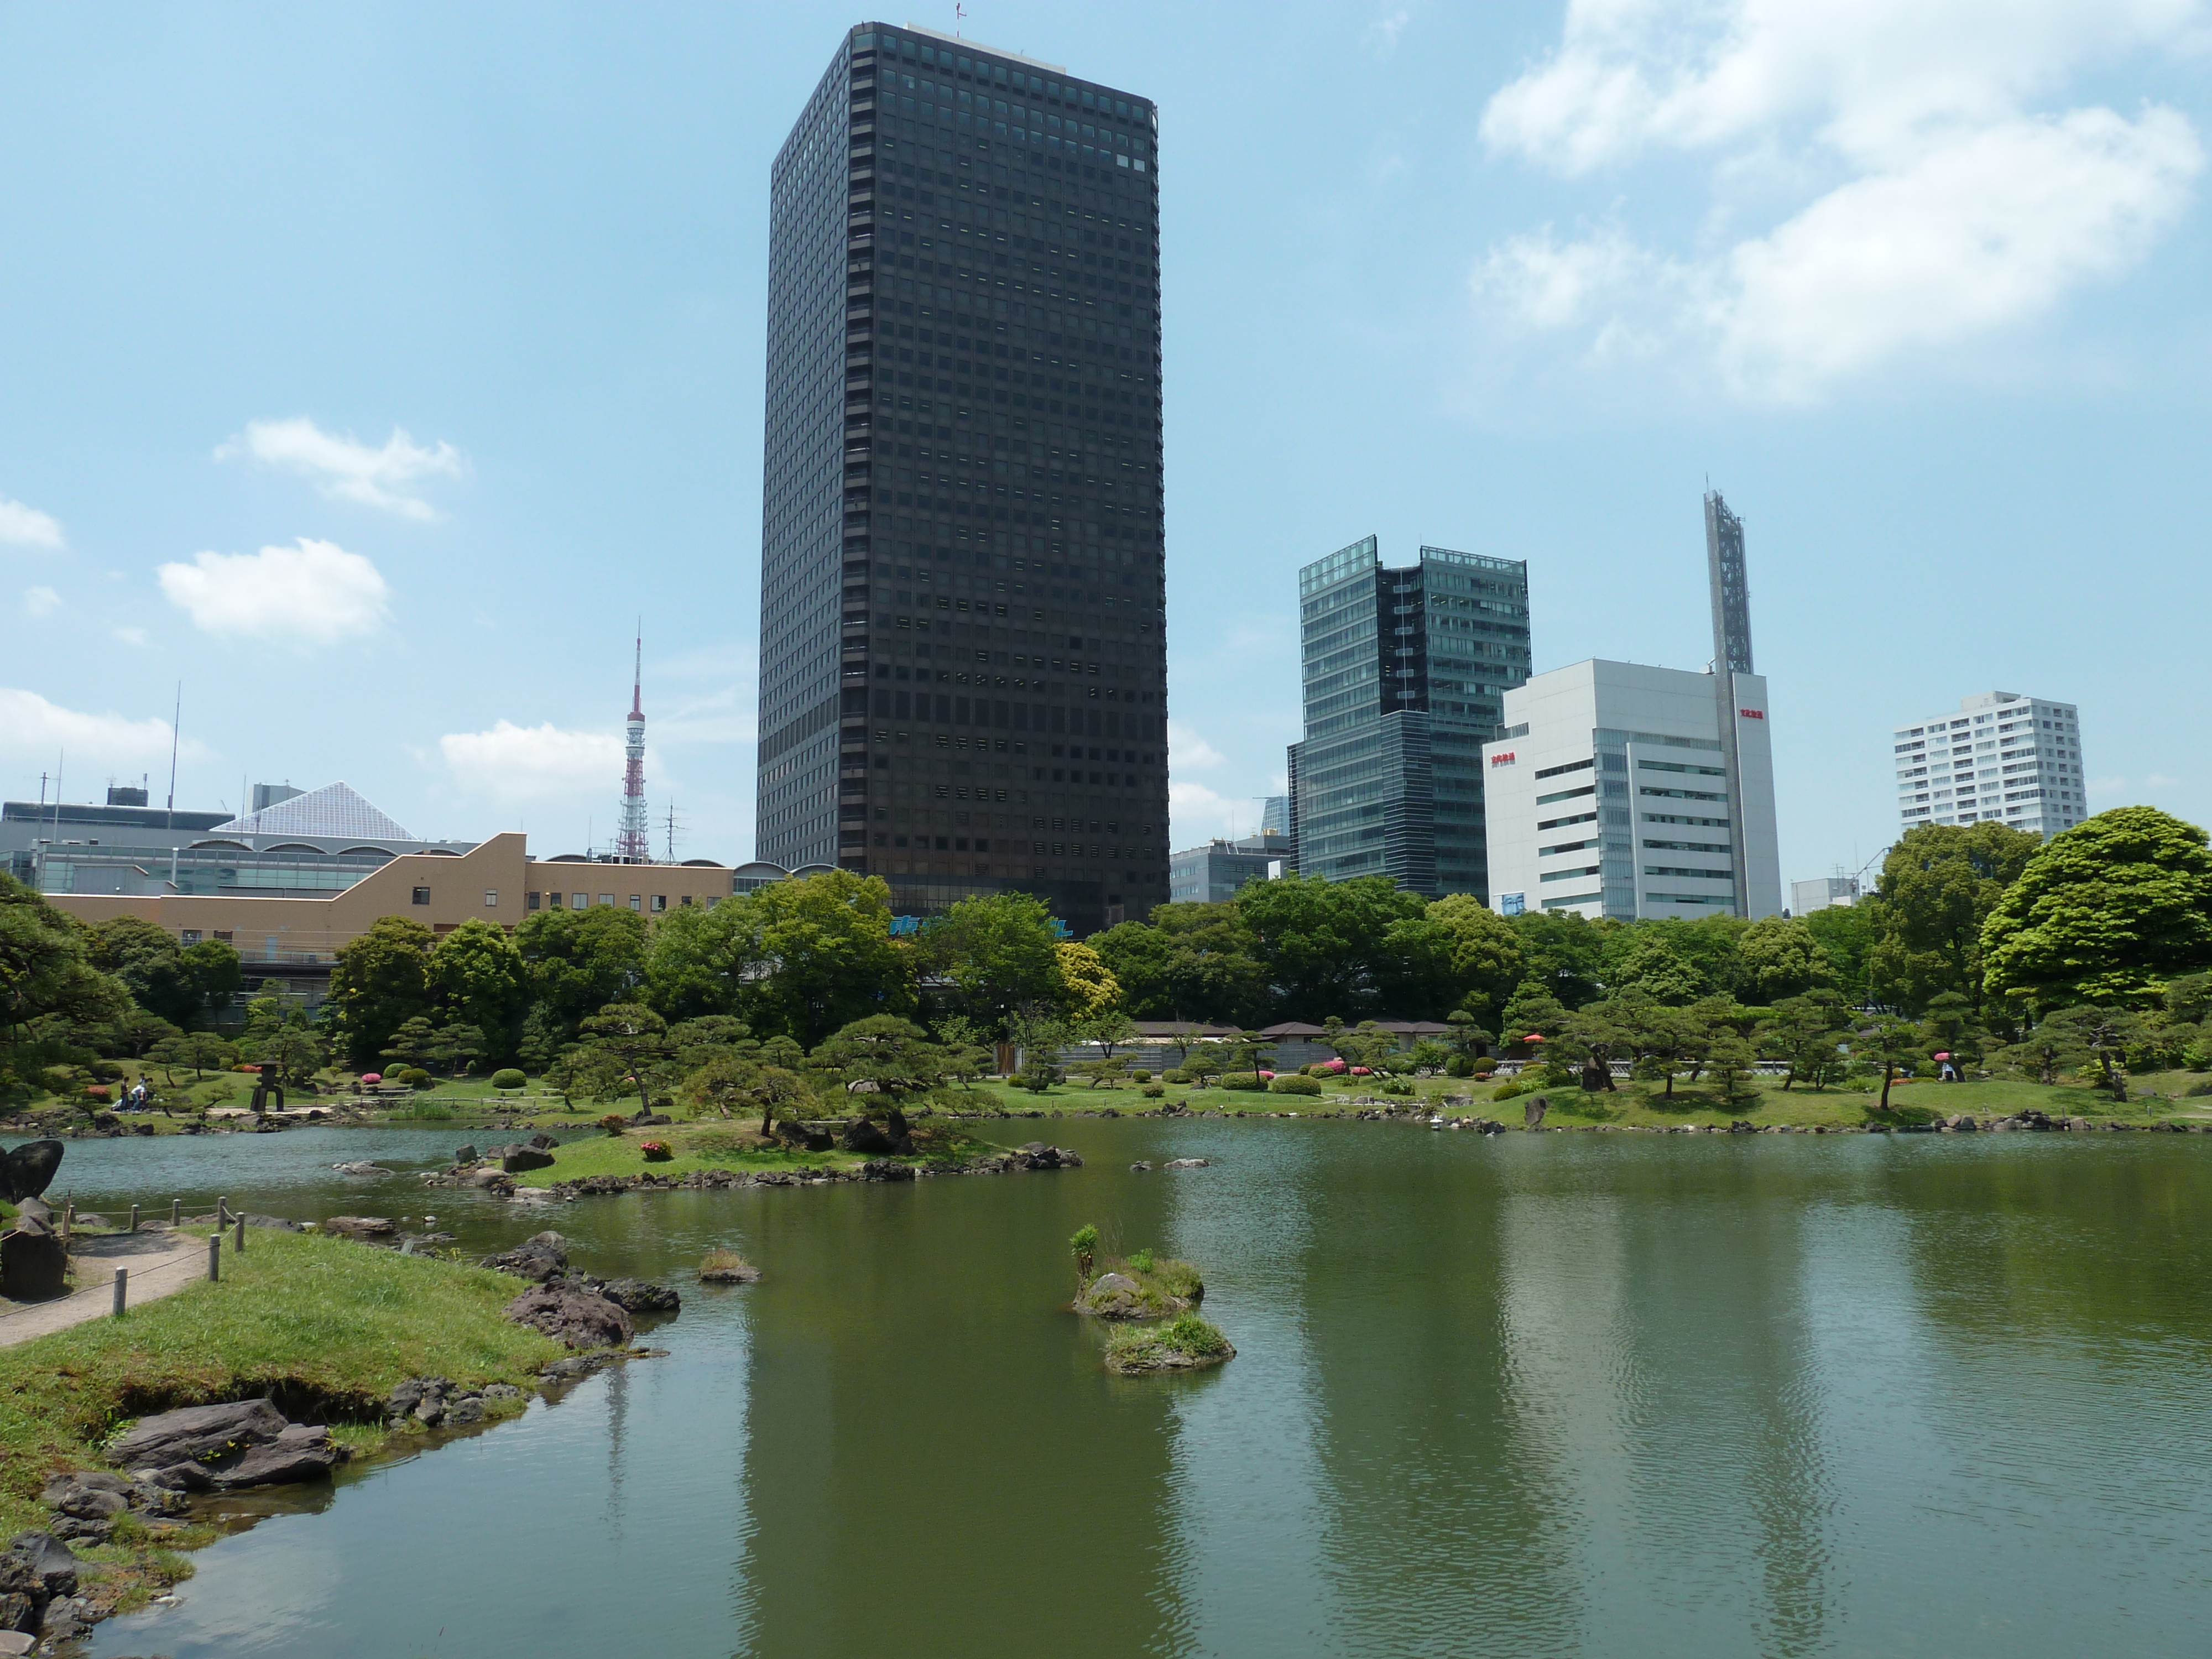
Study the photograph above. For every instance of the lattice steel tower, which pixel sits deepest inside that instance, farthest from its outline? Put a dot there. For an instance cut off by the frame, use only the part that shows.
(634, 842)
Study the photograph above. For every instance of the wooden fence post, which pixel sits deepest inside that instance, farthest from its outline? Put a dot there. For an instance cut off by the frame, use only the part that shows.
(215, 1257)
(122, 1290)
(241, 1234)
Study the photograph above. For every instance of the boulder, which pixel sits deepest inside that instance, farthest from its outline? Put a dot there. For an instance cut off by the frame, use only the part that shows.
(198, 1434)
(464, 1154)
(860, 1135)
(1140, 1167)
(300, 1452)
(1188, 1164)
(570, 1315)
(538, 1259)
(802, 1138)
(34, 1263)
(542, 1141)
(516, 1160)
(360, 1226)
(886, 1169)
(1532, 1114)
(29, 1169)
(635, 1296)
(53, 1567)
(744, 1274)
(1113, 1296)
(360, 1167)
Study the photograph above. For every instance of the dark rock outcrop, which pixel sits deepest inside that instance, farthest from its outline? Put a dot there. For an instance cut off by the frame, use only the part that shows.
(1532, 1114)
(636, 1296)
(573, 1316)
(538, 1259)
(801, 1138)
(1114, 1295)
(242, 1443)
(360, 1226)
(34, 1263)
(29, 1169)
(885, 1169)
(516, 1160)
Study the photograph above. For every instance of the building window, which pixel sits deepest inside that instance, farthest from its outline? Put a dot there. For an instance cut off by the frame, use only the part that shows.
(222, 936)
(530, 901)
(606, 898)
(578, 901)
(422, 896)
(491, 898)
(660, 901)
(636, 903)
(686, 899)
(191, 936)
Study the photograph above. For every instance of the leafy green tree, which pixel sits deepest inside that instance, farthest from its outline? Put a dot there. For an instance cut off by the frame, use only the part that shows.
(1939, 884)
(2188, 997)
(1597, 1033)
(298, 1053)
(782, 1052)
(1248, 1051)
(1487, 961)
(479, 977)
(635, 1036)
(1321, 942)
(966, 1057)
(800, 957)
(1728, 1056)
(151, 963)
(1533, 1012)
(1890, 1043)
(414, 1043)
(996, 956)
(2104, 912)
(1846, 933)
(1412, 969)
(1671, 1042)
(455, 1046)
(1467, 1041)
(1781, 959)
(137, 1032)
(1806, 1031)
(214, 972)
(581, 961)
(2096, 1039)
(1191, 962)
(1563, 953)
(893, 1057)
(379, 981)
(1642, 960)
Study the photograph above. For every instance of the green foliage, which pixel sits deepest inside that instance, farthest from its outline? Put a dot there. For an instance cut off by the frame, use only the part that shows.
(995, 954)
(627, 1036)
(1488, 959)
(1781, 958)
(1561, 954)
(1808, 1031)
(1190, 962)
(1141, 1260)
(796, 958)
(149, 961)
(1321, 943)
(893, 1054)
(1294, 1086)
(379, 982)
(508, 1077)
(47, 986)
(2094, 1039)
(1846, 933)
(2105, 912)
(1246, 1080)
(1532, 1011)
(1152, 1091)
(1084, 1245)
(580, 960)
(481, 983)
(427, 1110)
(1642, 961)
(1939, 884)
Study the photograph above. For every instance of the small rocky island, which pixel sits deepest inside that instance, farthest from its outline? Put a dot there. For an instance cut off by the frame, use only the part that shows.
(1153, 1301)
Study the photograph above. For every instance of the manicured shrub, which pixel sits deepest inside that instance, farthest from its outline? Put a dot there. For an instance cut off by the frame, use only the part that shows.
(1511, 1087)
(1153, 1091)
(1485, 1066)
(1393, 1085)
(656, 1151)
(1294, 1086)
(614, 1123)
(507, 1077)
(1174, 1074)
(1241, 1080)
(413, 1077)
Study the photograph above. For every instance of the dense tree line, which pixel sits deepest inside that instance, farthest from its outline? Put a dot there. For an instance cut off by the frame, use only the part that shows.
(1979, 942)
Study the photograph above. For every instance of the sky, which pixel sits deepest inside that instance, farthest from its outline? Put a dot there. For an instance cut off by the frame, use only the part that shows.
(372, 370)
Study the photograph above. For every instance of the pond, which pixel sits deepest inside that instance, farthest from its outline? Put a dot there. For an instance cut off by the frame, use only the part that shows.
(1526, 1394)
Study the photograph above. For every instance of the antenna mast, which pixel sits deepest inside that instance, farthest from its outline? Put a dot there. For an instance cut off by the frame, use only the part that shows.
(634, 841)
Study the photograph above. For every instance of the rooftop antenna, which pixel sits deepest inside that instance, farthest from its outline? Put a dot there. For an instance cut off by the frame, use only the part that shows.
(171, 822)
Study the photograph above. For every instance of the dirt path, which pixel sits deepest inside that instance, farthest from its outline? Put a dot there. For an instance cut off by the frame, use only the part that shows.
(168, 1262)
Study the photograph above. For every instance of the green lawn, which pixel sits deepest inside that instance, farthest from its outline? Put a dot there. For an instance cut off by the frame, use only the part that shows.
(735, 1144)
(333, 1321)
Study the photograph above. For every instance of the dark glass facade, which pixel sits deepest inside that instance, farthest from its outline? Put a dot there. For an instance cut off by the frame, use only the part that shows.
(963, 654)
(1404, 674)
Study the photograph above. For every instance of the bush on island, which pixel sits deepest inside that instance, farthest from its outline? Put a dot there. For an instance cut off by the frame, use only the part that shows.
(1294, 1086)
(1241, 1080)
(507, 1077)
(656, 1151)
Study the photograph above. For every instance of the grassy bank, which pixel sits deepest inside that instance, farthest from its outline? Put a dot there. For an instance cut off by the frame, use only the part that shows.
(320, 1324)
(719, 1145)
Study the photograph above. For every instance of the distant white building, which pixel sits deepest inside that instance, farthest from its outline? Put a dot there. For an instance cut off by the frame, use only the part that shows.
(2002, 758)
(1611, 793)
(1805, 897)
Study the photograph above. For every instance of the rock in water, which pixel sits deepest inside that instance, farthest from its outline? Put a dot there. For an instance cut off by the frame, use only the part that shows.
(360, 1167)
(1114, 1295)
(516, 1160)
(302, 1451)
(574, 1316)
(536, 1258)
(635, 1296)
(464, 1154)
(1533, 1113)
(29, 1169)
(1188, 1164)
(361, 1226)
(34, 1263)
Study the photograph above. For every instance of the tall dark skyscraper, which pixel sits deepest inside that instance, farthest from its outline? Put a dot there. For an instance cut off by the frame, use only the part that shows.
(963, 655)
(1404, 672)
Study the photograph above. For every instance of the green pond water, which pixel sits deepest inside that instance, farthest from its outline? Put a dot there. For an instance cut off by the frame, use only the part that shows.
(1527, 1396)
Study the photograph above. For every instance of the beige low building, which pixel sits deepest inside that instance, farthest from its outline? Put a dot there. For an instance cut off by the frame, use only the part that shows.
(296, 939)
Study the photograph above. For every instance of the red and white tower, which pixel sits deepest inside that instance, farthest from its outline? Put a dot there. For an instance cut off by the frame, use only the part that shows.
(633, 845)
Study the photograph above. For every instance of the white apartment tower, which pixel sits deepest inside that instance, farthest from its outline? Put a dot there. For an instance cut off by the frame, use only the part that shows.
(1619, 790)
(2003, 758)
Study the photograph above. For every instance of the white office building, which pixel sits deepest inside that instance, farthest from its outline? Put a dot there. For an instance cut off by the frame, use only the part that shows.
(2003, 758)
(1822, 893)
(1612, 793)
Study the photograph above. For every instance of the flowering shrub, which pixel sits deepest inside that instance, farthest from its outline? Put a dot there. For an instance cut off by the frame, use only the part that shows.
(614, 1123)
(656, 1151)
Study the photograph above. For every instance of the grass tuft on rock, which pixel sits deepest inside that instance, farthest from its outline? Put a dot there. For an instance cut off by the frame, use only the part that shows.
(1184, 1343)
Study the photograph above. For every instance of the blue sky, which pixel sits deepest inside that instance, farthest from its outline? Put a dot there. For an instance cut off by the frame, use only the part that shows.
(372, 368)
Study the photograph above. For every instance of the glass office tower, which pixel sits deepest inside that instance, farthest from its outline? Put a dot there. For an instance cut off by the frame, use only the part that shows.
(1404, 670)
(963, 656)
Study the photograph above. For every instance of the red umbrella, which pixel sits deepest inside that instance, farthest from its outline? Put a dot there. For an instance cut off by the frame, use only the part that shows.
(1946, 1055)
(1534, 1036)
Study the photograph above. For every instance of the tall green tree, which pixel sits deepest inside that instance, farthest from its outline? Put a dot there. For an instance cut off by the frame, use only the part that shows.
(632, 1036)
(1846, 932)
(1645, 961)
(1533, 1012)
(1194, 963)
(996, 956)
(800, 958)
(580, 960)
(1322, 942)
(1781, 958)
(379, 981)
(2104, 912)
(150, 961)
(2095, 1039)
(1565, 953)
(1806, 1031)
(1487, 961)
(893, 1057)
(480, 979)
(1939, 884)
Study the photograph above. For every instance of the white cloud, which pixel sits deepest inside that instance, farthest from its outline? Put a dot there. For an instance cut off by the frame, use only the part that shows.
(26, 526)
(136, 636)
(1382, 33)
(1185, 748)
(1923, 200)
(537, 762)
(348, 468)
(31, 728)
(40, 601)
(315, 593)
